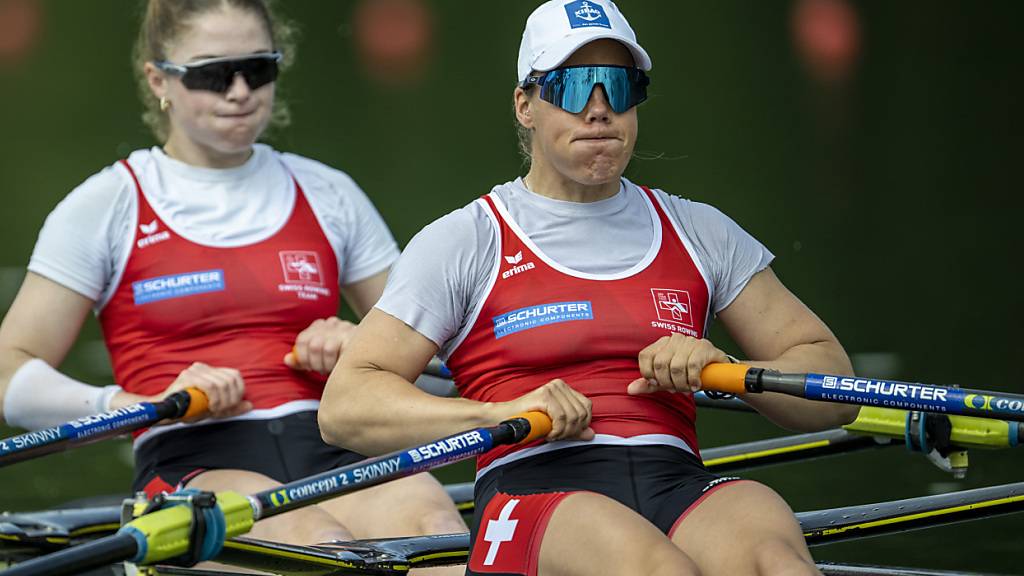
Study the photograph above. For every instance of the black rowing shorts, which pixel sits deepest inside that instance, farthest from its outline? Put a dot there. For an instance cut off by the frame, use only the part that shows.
(284, 449)
(515, 501)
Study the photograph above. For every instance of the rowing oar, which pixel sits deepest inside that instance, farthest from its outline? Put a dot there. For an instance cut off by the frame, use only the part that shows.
(183, 404)
(197, 523)
(742, 379)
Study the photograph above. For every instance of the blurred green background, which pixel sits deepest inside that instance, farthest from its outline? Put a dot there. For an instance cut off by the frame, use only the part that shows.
(868, 144)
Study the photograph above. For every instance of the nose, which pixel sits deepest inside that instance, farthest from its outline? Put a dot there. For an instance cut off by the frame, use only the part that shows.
(598, 109)
(238, 89)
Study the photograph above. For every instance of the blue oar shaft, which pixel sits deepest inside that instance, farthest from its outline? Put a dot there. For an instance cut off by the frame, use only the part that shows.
(889, 394)
(380, 469)
(126, 544)
(92, 428)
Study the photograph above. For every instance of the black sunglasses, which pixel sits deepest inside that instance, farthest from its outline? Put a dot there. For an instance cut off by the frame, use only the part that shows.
(217, 74)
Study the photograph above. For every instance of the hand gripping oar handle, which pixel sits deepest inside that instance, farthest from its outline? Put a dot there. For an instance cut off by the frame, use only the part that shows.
(183, 404)
(166, 533)
(740, 378)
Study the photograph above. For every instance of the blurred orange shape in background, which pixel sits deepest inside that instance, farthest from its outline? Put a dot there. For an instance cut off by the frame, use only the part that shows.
(394, 39)
(827, 37)
(19, 27)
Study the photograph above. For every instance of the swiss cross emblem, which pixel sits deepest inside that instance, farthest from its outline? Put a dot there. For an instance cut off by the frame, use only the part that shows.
(301, 267)
(673, 306)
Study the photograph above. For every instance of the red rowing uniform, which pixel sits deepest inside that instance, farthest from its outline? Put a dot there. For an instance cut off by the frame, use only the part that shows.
(541, 321)
(180, 302)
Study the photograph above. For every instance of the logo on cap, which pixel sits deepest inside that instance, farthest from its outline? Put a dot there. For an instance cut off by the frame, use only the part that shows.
(585, 14)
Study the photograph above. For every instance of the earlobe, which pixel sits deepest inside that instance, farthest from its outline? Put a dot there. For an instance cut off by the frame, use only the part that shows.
(156, 80)
(524, 112)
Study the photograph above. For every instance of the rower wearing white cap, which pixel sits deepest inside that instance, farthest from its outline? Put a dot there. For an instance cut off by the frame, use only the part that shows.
(576, 292)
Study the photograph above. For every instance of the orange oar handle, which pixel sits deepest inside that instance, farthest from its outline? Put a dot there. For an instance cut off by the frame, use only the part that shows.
(198, 403)
(540, 425)
(721, 377)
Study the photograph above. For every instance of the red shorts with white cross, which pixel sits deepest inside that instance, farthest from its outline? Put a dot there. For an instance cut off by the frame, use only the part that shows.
(511, 530)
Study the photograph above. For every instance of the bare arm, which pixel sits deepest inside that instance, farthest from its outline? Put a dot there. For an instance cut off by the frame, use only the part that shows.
(362, 295)
(776, 330)
(43, 322)
(371, 406)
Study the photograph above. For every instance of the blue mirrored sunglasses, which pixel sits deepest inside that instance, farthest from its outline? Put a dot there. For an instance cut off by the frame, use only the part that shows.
(569, 88)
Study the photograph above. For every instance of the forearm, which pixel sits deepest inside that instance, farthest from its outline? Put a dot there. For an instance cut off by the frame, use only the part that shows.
(37, 396)
(798, 414)
(372, 411)
(11, 359)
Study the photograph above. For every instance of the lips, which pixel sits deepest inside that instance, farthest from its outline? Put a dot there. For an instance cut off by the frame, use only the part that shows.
(600, 137)
(236, 114)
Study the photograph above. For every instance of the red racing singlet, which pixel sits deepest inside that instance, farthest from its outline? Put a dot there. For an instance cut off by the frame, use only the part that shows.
(541, 321)
(180, 302)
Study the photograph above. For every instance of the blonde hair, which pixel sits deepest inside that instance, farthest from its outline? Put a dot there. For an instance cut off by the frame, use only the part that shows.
(524, 135)
(163, 23)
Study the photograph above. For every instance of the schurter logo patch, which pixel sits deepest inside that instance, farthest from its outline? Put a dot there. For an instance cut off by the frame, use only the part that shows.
(541, 315)
(302, 274)
(586, 14)
(177, 286)
(674, 311)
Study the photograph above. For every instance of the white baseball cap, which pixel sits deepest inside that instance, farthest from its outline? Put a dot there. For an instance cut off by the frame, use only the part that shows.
(558, 28)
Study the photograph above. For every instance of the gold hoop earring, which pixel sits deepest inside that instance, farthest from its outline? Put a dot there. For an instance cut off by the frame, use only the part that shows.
(165, 104)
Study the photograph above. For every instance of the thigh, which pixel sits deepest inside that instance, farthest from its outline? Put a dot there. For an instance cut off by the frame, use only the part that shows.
(570, 534)
(309, 525)
(743, 528)
(411, 506)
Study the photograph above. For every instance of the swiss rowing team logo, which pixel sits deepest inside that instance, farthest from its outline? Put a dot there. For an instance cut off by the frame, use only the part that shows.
(302, 274)
(674, 310)
(301, 267)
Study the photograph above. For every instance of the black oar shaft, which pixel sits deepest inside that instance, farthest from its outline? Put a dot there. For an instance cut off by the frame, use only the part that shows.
(73, 560)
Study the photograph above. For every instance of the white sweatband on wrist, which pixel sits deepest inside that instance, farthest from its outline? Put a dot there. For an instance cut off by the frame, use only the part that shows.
(38, 396)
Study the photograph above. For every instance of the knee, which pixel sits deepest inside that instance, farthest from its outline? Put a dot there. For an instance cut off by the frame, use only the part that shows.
(778, 556)
(668, 561)
(441, 520)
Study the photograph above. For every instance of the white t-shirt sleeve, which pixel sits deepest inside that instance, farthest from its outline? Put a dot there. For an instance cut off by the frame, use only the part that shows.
(441, 275)
(729, 254)
(361, 240)
(84, 237)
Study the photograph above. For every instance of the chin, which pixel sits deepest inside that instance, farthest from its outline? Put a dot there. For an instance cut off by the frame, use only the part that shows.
(601, 171)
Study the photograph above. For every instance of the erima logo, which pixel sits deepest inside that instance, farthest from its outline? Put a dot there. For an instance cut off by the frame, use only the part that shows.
(500, 531)
(517, 267)
(151, 235)
(586, 14)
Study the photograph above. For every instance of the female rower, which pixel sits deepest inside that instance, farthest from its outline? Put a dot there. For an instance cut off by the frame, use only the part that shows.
(576, 292)
(214, 262)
